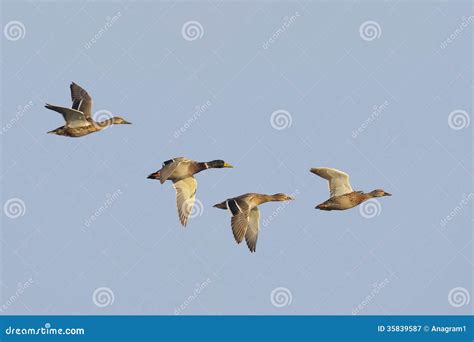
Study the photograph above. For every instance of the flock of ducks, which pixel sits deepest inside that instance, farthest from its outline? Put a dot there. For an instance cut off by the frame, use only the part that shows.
(245, 221)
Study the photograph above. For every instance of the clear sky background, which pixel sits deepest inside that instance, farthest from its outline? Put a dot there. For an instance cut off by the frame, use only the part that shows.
(323, 74)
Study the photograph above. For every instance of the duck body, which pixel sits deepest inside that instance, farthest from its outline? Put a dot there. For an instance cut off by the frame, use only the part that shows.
(69, 132)
(179, 168)
(250, 200)
(343, 202)
(342, 195)
(181, 172)
(79, 121)
(245, 221)
(80, 131)
(75, 132)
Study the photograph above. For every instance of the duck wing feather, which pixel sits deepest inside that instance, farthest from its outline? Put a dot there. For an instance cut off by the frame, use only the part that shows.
(338, 180)
(185, 196)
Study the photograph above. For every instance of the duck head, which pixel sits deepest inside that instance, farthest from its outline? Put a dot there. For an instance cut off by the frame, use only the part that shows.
(117, 120)
(217, 164)
(379, 193)
(281, 197)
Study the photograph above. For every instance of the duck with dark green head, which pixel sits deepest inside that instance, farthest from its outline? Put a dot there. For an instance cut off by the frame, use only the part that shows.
(181, 172)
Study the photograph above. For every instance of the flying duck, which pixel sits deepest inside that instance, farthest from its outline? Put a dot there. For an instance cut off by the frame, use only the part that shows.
(342, 195)
(246, 216)
(79, 120)
(181, 172)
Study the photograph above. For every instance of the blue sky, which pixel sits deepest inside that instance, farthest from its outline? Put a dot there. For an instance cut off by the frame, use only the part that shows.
(274, 88)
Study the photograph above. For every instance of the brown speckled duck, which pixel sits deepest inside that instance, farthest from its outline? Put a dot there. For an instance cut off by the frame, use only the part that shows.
(79, 120)
(181, 172)
(342, 195)
(246, 216)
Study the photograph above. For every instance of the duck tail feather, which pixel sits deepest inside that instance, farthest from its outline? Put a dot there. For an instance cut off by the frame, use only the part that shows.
(222, 205)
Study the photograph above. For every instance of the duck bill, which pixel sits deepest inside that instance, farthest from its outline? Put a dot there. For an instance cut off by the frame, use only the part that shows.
(228, 165)
(126, 122)
(387, 194)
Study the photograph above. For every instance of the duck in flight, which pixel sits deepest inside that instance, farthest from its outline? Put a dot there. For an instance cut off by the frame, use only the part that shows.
(79, 121)
(342, 195)
(246, 215)
(181, 172)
